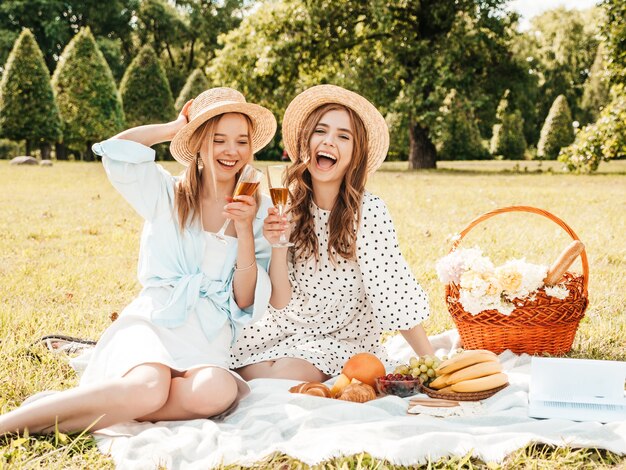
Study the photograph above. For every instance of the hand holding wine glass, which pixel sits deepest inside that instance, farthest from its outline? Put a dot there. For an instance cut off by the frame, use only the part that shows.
(247, 184)
(277, 181)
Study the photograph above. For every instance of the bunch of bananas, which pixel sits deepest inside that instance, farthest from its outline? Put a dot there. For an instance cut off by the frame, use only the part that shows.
(469, 371)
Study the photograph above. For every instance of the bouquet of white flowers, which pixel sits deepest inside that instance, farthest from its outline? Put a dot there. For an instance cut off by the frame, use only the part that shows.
(521, 306)
(482, 286)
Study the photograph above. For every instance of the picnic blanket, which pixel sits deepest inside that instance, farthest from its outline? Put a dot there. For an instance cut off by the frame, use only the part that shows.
(314, 429)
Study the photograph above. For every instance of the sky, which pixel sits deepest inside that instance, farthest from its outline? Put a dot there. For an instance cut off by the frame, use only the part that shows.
(530, 8)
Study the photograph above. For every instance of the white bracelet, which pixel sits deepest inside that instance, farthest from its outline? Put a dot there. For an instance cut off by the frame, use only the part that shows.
(247, 267)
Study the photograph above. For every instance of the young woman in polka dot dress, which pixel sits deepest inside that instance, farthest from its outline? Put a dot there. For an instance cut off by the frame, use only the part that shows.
(345, 281)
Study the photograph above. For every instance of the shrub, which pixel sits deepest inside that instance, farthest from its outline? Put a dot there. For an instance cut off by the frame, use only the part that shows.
(145, 91)
(596, 89)
(508, 139)
(601, 141)
(557, 131)
(86, 94)
(459, 137)
(10, 149)
(196, 84)
(28, 110)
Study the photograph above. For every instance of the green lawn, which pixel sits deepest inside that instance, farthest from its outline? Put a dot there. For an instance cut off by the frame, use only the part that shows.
(68, 249)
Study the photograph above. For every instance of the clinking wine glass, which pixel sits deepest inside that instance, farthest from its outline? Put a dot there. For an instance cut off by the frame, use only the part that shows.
(276, 179)
(247, 185)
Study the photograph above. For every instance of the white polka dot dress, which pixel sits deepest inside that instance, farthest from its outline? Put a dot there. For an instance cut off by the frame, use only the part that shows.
(339, 310)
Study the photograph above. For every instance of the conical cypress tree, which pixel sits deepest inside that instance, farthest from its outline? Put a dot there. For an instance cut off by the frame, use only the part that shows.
(195, 84)
(28, 110)
(86, 94)
(508, 133)
(459, 135)
(596, 88)
(145, 91)
(557, 131)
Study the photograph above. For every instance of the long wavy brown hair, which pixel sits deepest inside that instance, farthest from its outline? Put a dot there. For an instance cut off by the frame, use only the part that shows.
(345, 215)
(189, 187)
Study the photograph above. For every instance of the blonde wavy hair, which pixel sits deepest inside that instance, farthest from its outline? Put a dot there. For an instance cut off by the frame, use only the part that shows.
(345, 215)
(189, 187)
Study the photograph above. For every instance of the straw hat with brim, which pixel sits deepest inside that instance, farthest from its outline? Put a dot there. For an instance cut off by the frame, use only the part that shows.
(308, 101)
(216, 101)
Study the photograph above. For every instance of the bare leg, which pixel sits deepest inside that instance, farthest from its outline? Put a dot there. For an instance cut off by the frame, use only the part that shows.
(142, 390)
(199, 393)
(284, 368)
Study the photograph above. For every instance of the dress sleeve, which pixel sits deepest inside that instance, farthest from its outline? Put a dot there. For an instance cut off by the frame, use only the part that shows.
(130, 167)
(398, 301)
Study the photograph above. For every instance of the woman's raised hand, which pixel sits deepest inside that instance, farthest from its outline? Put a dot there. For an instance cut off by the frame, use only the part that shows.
(241, 211)
(183, 116)
(274, 225)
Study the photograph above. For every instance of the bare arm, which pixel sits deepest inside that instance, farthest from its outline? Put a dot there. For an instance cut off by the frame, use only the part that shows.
(418, 340)
(152, 134)
(273, 226)
(242, 212)
(279, 275)
(244, 280)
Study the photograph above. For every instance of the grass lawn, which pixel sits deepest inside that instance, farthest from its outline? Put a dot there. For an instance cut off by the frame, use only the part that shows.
(68, 253)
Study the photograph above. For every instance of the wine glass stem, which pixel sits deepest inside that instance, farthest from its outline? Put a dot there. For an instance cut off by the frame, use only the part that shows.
(222, 231)
(281, 211)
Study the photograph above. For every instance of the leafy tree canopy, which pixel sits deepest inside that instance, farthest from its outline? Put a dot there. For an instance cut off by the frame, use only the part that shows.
(403, 56)
(560, 48)
(55, 22)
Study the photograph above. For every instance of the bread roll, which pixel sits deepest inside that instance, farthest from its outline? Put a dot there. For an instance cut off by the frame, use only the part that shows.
(315, 389)
(359, 393)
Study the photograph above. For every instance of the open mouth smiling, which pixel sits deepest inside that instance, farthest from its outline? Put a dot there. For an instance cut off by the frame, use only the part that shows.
(325, 160)
(227, 163)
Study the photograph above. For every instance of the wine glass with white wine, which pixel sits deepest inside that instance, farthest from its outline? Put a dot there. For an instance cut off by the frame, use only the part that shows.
(277, 182)
(247, 184)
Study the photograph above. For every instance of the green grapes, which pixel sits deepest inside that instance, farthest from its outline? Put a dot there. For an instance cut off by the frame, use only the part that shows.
(420, 367)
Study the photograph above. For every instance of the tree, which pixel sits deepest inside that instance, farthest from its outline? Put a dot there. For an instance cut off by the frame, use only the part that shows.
(185, 33)
(196, 84)
(508, 132)
(615, 32)
(606, 138)
(403, 56)
(596, 89)
(28, 110)
(458, 134)
(557, 131)
(145, 91)
(85, 90)
(55, 22)
(560, 47)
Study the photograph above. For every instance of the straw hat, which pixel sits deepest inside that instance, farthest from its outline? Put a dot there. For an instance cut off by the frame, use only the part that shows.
(211, 103)
(309, 100)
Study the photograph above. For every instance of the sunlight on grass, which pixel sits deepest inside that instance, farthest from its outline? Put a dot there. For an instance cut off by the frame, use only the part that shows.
(68, 254)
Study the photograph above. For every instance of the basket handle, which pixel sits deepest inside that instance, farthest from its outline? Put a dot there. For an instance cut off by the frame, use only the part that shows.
(533, 210)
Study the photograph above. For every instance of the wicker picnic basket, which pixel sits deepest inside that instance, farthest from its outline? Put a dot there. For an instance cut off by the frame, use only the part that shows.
(544, 324)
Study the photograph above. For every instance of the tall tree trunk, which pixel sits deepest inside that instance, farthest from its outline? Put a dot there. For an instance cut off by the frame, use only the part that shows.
(422, 152)
(191, 54)
(45, 151)
(88, 156)
(27, 147)
(60, 150)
